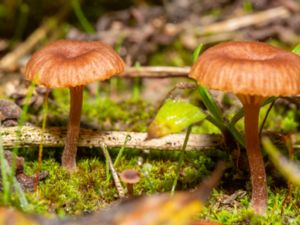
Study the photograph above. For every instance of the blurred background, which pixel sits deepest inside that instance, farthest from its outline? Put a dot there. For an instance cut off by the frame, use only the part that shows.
(157, 32)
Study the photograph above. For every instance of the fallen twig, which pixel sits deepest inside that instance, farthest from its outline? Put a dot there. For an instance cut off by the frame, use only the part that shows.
(156, 71)
(54, 137)
(245, 21)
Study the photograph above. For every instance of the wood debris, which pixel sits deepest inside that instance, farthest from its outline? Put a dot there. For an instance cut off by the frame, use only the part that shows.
(54, 137)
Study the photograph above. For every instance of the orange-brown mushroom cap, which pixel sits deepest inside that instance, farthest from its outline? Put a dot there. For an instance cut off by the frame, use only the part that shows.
(248, 68)
(70, 63)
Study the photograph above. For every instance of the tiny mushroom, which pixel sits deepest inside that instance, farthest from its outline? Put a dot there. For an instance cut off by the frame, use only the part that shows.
(130, 177)
(73, 64)
(253, 71)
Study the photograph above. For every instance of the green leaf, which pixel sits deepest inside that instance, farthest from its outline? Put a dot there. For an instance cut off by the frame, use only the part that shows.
(288, 168)
(197, 52)
(296, 50)
(173, 117)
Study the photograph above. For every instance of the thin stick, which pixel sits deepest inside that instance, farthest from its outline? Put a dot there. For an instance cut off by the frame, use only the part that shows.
(156, 71)
(245, 21)
(118, 184)
(54, 137)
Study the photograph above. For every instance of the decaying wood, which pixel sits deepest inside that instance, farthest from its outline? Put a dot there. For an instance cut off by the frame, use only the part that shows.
(54, 137)
(156, 71)
(246, 21)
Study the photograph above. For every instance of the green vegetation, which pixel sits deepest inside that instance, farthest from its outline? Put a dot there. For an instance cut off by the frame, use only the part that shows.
(87, 190)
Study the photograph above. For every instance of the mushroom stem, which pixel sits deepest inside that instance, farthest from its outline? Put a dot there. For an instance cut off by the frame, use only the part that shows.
(256, 163)
(70, 150)
(129, 189)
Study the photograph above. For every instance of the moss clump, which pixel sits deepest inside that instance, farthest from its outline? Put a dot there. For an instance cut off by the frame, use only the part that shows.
(86, 189)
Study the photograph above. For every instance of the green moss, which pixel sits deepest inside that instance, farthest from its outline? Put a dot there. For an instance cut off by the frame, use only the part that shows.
(236, 211)
(86, 190)
(101, 111)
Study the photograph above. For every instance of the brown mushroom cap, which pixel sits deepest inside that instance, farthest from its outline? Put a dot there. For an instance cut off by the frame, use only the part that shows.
(248, 68)
(130, 176)
(69, 63)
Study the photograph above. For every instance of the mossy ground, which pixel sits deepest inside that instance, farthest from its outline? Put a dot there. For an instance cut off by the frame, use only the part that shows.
(88, 190)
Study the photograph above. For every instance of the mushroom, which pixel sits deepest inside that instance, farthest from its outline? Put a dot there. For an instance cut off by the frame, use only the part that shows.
(253, 71)
(73, 64)
(130, 177)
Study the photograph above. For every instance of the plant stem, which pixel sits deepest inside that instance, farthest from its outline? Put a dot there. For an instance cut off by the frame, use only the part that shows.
(256, 163)
(181, 158)
(4, 176)
(110, 167)
(40, 156)
(266, 116)
(70, 150)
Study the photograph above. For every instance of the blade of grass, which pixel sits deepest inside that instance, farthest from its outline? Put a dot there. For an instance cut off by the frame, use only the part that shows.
(266, 116)
(6, 173)
(197, 52)
(120, 154)
(20, 193)
(240, 114)
(236, 134)
(22, 119)
(107, 173)
(4, 176)
(288, 168)
(81, 17)
(181, 159)
(115, 176)
(296, 49)
(145, 171)
(208, 101)
(210, 104)
(40, 154)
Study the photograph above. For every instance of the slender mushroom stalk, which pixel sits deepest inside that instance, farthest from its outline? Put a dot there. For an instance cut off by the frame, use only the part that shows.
(73, 64)
(252, 71)
(130, 177)
(70, 150)
(256, 164)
